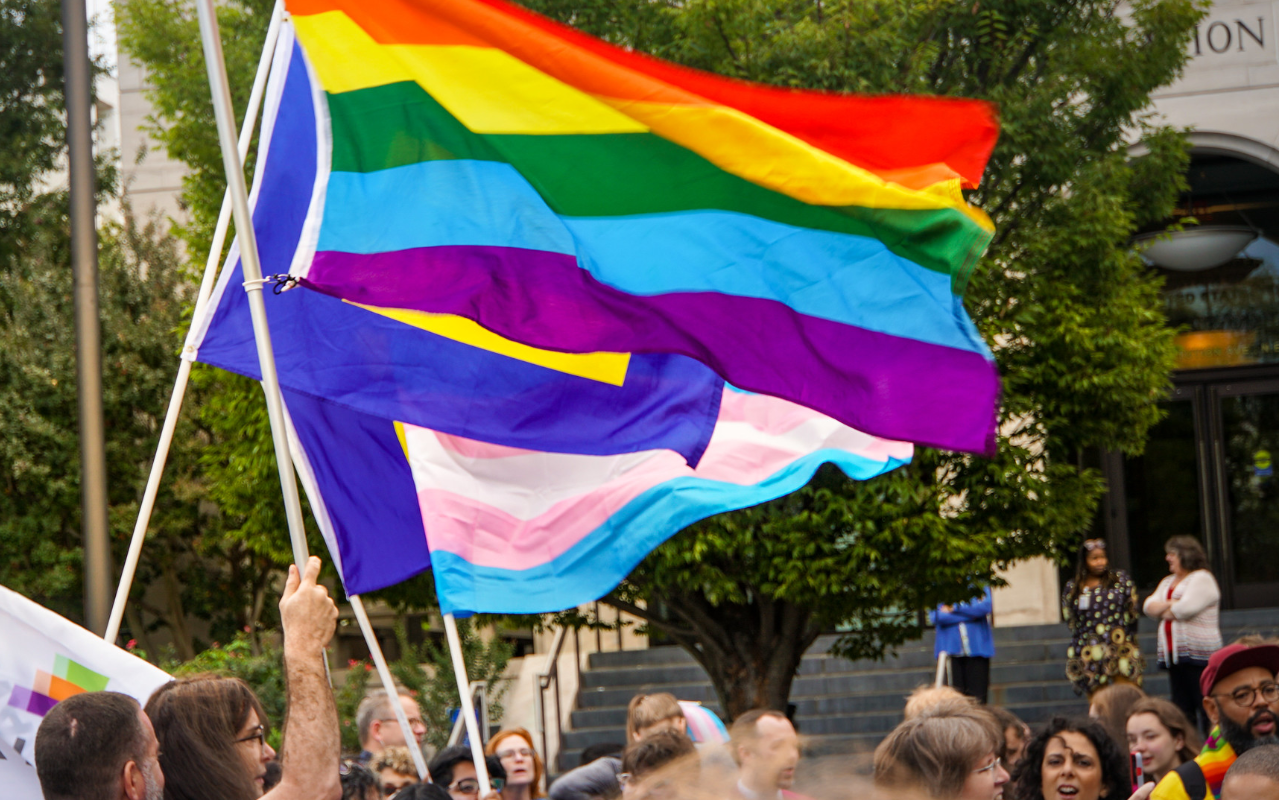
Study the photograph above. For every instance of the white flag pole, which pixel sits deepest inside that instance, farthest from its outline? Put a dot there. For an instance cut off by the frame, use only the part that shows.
(252, 268)
(389, 684)
(252, 271)
(201, 308)
(468, 709)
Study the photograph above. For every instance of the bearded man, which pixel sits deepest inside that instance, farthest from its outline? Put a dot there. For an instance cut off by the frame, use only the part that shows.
(1240, 697)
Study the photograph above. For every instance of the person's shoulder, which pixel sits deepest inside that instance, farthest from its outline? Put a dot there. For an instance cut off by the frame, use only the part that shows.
(588, 780)
(1170, 788)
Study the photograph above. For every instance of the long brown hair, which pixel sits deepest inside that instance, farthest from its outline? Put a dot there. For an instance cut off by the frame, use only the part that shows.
(491, 749)
(1113, 703)
(197, 720)
(1174, 721)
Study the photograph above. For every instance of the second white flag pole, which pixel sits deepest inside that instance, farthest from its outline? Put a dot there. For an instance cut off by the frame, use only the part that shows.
(253, 282)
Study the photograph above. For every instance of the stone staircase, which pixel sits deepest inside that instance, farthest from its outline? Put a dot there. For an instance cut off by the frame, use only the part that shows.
(848, 706)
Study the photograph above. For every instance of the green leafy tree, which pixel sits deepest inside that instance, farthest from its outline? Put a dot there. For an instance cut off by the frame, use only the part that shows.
(260, 666)
(191, 569)
(1072, 316)
(31, 105)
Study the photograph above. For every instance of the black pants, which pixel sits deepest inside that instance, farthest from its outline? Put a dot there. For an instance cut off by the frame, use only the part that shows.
(970, 674)
(1184, 691)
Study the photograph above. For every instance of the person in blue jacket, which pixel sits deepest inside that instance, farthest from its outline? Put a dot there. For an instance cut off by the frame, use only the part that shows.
(964, 634)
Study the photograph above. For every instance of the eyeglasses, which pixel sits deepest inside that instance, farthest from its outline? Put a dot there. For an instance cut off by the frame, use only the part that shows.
(1095, 544)
(413, 721)
(989, 767)
(258, 733)
(523, 751)
(471, 786)
(1245, 695)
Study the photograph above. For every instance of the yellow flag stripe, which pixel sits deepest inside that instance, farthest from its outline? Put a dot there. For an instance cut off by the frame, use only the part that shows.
(610, 368)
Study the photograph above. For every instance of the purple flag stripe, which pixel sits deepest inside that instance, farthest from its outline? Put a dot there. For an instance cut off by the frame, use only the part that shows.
(889, 386)
(31, 701)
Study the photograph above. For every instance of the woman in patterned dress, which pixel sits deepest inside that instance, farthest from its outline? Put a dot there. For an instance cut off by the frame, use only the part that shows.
(1101, 607)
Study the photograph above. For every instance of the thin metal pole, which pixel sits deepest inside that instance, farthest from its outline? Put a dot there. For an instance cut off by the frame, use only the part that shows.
(388, 683)
(468, 709)
(252, 272)
(84, 265)
(184, 365)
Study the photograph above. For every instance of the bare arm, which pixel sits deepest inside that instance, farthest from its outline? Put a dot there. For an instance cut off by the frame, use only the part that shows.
(311, 745)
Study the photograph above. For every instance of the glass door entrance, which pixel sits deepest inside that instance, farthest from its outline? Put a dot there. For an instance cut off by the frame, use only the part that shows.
(1208, 471)
(1247, 433)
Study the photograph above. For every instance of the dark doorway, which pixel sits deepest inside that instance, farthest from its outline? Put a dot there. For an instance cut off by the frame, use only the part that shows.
(1209, 472)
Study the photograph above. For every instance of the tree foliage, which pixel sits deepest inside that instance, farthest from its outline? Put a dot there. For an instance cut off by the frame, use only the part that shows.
(1072, 316)
(31, 125)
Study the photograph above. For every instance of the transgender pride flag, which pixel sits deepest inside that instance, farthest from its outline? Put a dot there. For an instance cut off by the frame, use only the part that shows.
(507, 530)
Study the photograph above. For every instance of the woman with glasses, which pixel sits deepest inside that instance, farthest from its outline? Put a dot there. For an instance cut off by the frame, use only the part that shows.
(1100, 605)
(1072, 759)
(1186, 605)
(949, 752)
(514, 748)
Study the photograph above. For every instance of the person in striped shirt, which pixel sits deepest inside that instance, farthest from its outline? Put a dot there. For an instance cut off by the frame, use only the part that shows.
(1240, 697)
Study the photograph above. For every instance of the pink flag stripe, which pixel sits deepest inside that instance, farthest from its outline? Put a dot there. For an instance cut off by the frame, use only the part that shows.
(518, 484)
(525, 510)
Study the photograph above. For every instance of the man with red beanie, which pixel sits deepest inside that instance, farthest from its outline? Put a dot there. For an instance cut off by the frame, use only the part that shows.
(1240, 694)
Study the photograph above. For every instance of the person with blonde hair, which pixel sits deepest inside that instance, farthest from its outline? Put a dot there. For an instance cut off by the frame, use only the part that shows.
(926, 698)
(1163, 735)
(395, 769)
(650, 713)
(949, 752)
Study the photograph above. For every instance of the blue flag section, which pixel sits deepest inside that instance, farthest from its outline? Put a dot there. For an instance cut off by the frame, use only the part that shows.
(358, 478)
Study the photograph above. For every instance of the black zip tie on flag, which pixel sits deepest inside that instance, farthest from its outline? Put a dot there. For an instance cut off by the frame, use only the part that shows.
(282, 283)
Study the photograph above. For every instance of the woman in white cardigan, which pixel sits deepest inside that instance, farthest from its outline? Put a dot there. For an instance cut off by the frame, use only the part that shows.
(1186, 603)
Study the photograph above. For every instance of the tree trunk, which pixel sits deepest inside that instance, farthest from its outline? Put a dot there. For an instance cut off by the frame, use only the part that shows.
(176, 616)
(751, 652)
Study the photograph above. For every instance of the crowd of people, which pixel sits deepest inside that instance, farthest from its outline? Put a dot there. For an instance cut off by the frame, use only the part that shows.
(205, 738)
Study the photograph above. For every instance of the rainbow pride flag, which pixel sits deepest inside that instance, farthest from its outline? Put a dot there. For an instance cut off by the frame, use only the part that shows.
(445, 373)
(509, 530)
(481, 161)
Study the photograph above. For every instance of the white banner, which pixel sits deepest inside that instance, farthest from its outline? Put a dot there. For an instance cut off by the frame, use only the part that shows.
(45, 658)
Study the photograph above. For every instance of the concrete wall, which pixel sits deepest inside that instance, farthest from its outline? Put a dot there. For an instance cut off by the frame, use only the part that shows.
(1230, 85)
(152, 180)
(1032, 596)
